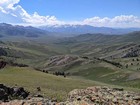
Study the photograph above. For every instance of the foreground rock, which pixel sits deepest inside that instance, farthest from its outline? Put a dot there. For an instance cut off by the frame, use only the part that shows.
(102, 96)
(89, 96)
(8, 93)
(31, 101)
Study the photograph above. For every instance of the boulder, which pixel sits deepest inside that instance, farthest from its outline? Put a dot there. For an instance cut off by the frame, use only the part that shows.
(7, 93)
(2, 64)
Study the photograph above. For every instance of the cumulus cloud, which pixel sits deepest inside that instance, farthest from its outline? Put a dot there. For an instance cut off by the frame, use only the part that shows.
(11, 12)
(8, 7)
(37, 19)
(8, 3)
(118, 21)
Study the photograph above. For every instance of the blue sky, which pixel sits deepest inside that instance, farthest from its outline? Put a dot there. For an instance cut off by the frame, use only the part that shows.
(109, 13)
(81, 9)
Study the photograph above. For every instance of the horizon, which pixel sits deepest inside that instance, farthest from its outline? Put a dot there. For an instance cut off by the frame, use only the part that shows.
(38, 27)
(97, 13)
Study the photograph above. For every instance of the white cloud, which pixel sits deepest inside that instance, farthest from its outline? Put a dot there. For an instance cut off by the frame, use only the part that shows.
(2, 10)
(16, 14)
(37, 19)
(7, 7)
(118, 21)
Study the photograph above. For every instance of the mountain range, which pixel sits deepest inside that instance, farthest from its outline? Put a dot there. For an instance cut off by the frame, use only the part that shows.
(83, 29)
(16, 30)
(57, 30)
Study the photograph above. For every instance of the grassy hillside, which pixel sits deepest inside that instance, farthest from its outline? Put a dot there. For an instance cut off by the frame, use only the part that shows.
(29, 53)
(99, 45)
(54, 86)
(51, 86)
(97, 70)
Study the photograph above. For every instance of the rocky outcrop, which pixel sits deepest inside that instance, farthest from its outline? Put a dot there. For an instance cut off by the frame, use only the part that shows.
(2, 64)
(90, 96)
(102, 96)
(132, 53)
(2, 52)
(61, 60)
(32, 101)
(8, 93)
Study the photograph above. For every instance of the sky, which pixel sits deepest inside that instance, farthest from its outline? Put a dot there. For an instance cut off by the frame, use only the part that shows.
(100, 13)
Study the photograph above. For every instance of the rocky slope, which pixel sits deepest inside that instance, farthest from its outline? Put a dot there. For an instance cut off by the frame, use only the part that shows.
(61, 60)
(103, 96)
(90, 96)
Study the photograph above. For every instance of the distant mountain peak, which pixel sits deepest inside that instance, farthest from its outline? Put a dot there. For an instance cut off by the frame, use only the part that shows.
(17, 30)
(83, 29)
(5, 24)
